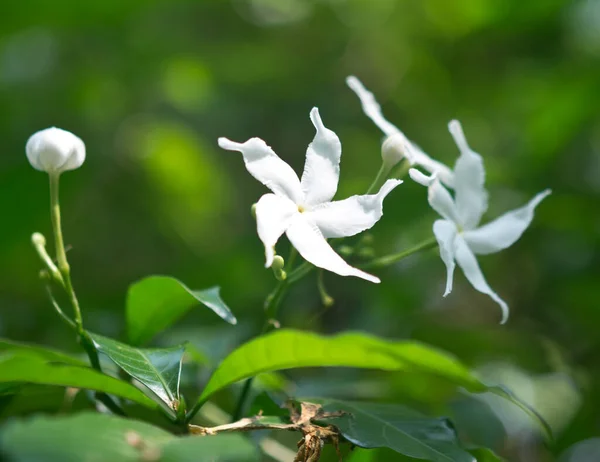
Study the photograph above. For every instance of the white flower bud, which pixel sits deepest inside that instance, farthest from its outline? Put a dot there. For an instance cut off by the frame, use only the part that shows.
(54, 150)
(394, 149)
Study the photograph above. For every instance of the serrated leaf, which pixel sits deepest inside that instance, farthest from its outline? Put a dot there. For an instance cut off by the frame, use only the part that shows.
(159, 369)
(49, 354)
(99, 437)
(375, 425)
(156, 302)
(29, 368)
(287, 349)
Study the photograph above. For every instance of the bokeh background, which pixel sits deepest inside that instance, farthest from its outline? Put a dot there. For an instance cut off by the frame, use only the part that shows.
(150, 85)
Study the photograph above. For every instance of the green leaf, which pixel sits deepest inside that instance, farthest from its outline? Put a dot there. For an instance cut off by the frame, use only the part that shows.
(30, 368)
(505, 393)
(159, 369)
(41, 351)
(287, 349)
(99, 437)
(156, 302)
(485, 455)
(375, 425)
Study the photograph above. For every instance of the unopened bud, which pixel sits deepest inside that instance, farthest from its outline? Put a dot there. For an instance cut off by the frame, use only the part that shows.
(38, 240)
(280, 275)
(44, 275)
(394, 149)
(54, 150)
(278, 263)
(327, 301)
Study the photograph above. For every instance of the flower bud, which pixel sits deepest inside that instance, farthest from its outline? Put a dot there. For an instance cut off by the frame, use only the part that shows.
(38, 239)
(394, 149)
(54, 150)
(278, 263)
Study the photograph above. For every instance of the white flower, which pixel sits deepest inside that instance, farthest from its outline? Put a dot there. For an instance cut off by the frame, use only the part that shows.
(54, 150)
(459, 235)
(302, 208)
(397, 145)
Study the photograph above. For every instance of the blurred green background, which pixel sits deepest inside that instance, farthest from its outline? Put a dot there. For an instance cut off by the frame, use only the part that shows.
(150, 85)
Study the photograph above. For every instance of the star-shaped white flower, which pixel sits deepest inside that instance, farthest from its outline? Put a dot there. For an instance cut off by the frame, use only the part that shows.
(397, 145)
(459, 235)
(302, 209)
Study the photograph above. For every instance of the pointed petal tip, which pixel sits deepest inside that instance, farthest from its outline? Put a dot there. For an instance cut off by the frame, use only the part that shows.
(454, 126)
(315, 118)
(226, 143)
(504, 315)
(388, 187)
(421, 178)
(456, 130)
(352, 81)
(370, 278)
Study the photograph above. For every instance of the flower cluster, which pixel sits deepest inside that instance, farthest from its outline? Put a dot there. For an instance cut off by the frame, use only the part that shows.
(459, 235)
(304, 209)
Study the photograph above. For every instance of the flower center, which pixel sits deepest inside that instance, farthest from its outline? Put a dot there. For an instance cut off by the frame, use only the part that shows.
(301, 209)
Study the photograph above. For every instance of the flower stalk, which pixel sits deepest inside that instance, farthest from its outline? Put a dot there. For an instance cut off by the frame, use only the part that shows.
(61, 255)
(388, 260)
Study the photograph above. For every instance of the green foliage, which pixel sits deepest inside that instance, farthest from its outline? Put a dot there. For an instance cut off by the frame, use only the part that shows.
(156, 302)
(288, 349)
(46, 353)
(149, 86)
(159, 369)
(374, 425)
(30, 368)
(97, 437)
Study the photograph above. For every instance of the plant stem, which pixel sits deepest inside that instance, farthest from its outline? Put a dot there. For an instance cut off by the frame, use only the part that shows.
(395, 257)
(272, 304)
(381, 175)
(401, 169)
(65, 273)
(61, 256)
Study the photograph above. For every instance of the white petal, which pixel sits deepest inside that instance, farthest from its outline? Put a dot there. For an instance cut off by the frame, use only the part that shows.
(439, 198)
(505, 230)
(273, 217)
(322, 167)
(310, 243)
(266, 166)
(467, 261)
(414, 155)
(371, 107)
(469, 180)
(445, 233)
(443, 172)
(353, 215)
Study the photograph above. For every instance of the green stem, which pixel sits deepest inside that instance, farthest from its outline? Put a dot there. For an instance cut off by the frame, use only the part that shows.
(393, 258)
(65, 272)
(60, 312)
(381, 175)
(400, 170)
(272, 304)
(61, 256)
